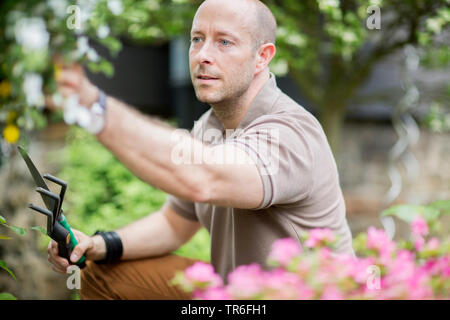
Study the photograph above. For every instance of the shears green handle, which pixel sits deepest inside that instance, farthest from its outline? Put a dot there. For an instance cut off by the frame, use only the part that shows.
(71, 244)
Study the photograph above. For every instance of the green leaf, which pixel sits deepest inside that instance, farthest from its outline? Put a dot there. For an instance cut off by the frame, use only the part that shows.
(39, 228)
(442, 205)
(20, 231)
(103, 66)
(2, 220)
(3, 266)
(7, 296)
(409, 212)
(4, 237)
(112, 44)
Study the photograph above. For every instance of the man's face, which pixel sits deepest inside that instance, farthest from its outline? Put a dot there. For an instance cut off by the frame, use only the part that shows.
(221, 57)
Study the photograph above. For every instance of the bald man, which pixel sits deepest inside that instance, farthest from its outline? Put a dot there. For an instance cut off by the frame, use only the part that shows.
(256, 167)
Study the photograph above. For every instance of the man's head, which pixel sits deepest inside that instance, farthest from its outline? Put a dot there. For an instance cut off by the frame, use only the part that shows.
(232, 43)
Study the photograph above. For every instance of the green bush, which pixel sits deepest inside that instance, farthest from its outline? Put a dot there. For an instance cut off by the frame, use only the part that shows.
(103, 194)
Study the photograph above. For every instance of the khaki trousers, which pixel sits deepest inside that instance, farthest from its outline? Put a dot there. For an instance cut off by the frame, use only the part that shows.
(144, 279)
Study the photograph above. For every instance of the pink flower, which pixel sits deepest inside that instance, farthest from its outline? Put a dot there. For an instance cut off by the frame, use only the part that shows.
(400, 270)
(419, 242)
(433, 244)
(431, 267)
(202, 274)
(281, 285)
(284, 250)
(419, 287)
(419, 226)
(246, 282)
(213, 294)
(379, 240)
(445, 266)
(438, 267)
(319, 237)
(358, 269)
(324, 274)
(331, 293)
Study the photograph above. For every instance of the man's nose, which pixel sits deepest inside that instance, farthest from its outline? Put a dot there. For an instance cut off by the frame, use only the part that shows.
(205, 55)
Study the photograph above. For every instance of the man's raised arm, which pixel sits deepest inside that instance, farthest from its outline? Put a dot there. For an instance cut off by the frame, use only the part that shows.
(146, 148)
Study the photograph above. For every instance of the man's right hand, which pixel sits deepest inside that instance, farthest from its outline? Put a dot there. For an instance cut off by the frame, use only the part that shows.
(93, 248)
(70, 80)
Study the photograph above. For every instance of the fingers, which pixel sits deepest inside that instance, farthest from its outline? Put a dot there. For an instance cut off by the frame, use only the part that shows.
(59, 264)
(80, 249)
(69, 78)
(69, 84)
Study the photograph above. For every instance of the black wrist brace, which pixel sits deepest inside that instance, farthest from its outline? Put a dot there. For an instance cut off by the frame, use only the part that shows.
(114, 248)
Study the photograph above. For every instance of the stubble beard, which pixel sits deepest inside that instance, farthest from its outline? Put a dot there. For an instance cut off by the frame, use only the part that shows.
(226, 101)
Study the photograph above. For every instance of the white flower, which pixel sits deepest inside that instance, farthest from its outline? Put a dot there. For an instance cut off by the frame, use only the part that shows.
(103, 31)
(296, 40)
(349, 37)
(153, 5)
(70, 109)
(83, 117)
(85, 9)
(82, 46)
(32, 87)
(31, 33)
(74, 113)
(115, 6)
(93, 55)
(58, 99)
(58, 7)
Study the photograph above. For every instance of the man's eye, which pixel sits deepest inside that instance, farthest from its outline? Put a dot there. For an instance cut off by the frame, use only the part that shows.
(195, 39)
(225, 42)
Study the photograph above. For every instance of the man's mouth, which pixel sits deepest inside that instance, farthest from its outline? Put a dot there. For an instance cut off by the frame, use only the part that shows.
(206, 77)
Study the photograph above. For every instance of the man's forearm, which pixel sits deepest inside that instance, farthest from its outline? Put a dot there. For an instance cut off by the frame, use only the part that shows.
(146, 237)
(145, 147)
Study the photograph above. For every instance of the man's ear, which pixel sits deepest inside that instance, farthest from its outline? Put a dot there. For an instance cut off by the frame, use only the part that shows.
(264, 55)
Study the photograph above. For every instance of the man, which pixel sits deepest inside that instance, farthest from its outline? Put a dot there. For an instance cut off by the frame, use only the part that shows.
(271, 193)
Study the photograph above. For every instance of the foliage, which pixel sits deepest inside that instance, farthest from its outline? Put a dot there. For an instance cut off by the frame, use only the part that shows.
(417, 268)
(7, 296)
(103, 194)
(438, 118)
(324, 45)
(329, 51)
(37, 36)
(21, 232)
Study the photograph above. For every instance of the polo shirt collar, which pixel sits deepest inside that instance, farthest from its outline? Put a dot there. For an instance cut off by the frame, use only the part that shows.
(262, 104)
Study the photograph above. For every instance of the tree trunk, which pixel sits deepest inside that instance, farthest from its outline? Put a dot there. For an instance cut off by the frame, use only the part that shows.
(332, 120)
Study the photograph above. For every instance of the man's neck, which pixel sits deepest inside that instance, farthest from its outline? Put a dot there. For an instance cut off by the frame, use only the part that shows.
(231, 112)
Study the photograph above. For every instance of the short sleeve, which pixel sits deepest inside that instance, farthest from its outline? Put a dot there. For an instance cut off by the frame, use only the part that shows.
(282, 152)
(184, 208)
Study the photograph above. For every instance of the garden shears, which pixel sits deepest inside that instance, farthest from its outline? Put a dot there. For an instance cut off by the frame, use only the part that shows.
(57, 226)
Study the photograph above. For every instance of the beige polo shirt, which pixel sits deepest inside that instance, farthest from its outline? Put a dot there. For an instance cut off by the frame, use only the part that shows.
(299, 175)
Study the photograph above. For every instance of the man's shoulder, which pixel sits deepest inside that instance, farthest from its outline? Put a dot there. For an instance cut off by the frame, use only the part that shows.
(288, 106)
(286, 110)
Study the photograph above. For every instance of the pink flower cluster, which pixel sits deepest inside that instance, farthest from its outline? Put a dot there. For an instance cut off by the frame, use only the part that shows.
(381, 270)
(419, 229)
(319, 237)
(198, 277)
